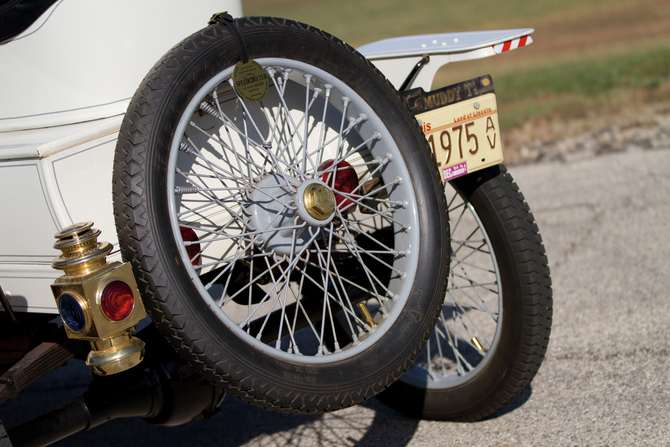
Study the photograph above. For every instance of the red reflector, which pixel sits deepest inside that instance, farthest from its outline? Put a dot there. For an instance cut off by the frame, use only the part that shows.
(193, 249)
(346, 180)
(117, 300)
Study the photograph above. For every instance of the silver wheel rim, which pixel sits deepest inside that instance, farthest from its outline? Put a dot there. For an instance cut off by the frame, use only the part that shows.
(234, 177)
(468, 329)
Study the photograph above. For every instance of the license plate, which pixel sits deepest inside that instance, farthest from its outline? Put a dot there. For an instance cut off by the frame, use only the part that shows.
(465, 136)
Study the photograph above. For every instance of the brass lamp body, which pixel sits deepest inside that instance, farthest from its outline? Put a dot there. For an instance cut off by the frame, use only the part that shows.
(87, 272)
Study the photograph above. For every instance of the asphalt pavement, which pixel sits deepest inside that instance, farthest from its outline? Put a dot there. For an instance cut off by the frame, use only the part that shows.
(605, 221)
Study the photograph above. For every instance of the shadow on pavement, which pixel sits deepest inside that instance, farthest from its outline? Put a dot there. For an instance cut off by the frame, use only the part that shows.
(238, 424)
(516, 403)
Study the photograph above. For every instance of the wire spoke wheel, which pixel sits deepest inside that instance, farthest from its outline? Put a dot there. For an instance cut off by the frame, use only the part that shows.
(469, 325)
(286, 232)
(296, 212)
(493, 331)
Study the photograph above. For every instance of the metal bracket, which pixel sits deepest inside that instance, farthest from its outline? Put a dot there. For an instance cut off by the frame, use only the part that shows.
(414, 73)
(10, 385)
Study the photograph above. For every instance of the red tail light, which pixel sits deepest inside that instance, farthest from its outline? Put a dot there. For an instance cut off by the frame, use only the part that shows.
(346, 181)
(117, 300)
(192, 248)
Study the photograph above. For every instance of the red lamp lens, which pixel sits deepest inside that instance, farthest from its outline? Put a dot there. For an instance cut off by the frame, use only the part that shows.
(192, 249)
(117, 300)
(346, 180)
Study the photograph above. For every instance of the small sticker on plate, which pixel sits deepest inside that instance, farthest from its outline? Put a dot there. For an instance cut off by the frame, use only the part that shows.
(454, 171)
(251, 81)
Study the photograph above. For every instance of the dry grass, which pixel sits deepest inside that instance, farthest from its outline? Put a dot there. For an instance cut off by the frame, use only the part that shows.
(580, 34)
(571, 38)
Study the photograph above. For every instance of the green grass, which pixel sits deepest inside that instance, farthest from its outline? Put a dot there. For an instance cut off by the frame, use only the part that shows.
(594, 77)
(582, 63)
(363, 21)
(571, 89)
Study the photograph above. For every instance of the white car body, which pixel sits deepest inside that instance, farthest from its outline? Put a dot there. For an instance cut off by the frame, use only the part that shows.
(66, 83)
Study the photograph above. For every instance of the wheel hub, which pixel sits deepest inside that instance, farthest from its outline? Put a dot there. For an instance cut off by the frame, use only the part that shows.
(316, 203)
(319, 201)
(278, 206)
(273, 216)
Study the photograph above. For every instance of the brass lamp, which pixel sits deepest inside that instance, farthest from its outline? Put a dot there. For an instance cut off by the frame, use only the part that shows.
(97, 301)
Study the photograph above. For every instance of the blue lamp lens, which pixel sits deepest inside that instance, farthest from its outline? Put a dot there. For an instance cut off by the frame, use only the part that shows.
(72, 314)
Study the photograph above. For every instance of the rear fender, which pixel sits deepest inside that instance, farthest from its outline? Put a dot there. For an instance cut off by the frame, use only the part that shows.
(396, 57)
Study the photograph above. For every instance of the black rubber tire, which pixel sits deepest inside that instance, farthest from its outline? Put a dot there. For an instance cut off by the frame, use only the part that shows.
(526, 308)
(148, 240)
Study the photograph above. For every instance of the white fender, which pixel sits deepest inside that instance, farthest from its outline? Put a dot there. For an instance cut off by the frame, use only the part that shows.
(397, 56)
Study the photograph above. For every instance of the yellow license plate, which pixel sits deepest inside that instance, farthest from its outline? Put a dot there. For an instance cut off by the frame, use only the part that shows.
(464, 137)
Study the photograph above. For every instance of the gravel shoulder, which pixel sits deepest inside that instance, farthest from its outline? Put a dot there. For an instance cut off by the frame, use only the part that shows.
(639, 128)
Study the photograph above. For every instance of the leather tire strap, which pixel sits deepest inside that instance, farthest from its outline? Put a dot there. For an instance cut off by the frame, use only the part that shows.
(226, 19)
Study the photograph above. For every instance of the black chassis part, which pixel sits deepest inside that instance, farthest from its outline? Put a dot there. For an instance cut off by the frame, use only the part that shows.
(162, 390)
